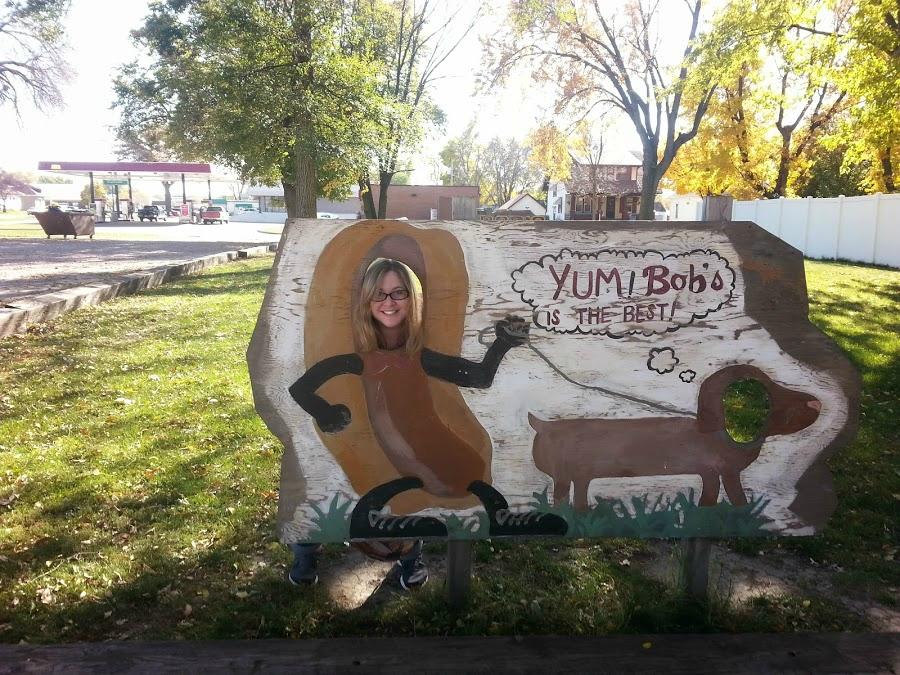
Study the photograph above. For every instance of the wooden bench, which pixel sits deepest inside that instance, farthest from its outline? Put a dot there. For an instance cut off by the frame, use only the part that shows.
(742, 653)
(54, 221)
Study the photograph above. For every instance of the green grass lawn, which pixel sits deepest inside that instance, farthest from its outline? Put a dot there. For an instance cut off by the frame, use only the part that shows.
(138, 491)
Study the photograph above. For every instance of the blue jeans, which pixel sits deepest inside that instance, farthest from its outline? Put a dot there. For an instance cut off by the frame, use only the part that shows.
(306, 555)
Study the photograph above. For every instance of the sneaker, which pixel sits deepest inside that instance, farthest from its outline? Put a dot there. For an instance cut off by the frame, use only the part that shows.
(304, 580)
(300, 575)
(413, 573)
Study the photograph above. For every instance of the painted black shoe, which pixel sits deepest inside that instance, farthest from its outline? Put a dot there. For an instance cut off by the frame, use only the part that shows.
(504, 522)
(367, 521)
(509, 523)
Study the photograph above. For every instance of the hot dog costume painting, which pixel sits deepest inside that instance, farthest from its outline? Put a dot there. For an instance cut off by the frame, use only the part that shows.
(571, 383)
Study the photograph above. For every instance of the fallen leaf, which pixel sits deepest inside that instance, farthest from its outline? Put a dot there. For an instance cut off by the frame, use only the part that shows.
(188, 610)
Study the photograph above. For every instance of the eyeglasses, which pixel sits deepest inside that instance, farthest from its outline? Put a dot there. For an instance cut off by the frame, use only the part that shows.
(399, 294)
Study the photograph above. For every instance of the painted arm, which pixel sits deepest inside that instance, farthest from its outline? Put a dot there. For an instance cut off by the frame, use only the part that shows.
(511, 332)
(330, 418)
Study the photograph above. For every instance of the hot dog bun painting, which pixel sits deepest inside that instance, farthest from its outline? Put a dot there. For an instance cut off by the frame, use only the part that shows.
(571, 382)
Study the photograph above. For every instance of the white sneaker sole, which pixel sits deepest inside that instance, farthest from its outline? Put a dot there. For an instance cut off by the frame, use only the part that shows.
(408, 588)
(312, 582)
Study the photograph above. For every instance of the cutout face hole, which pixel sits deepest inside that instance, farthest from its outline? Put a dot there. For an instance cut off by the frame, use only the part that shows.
(746, 409)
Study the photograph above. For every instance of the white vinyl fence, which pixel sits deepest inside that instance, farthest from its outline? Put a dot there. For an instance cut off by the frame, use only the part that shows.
(862, 229)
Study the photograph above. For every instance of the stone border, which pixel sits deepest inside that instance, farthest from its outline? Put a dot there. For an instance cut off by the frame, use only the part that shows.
(19, 314)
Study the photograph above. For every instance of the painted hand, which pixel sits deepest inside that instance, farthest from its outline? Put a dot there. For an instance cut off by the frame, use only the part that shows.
(512, 330)
(336, 419)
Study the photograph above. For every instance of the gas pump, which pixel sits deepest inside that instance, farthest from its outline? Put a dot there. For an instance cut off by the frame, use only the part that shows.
(116, 207)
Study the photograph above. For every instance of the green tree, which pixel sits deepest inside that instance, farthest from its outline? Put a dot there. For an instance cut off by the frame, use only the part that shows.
(277, 91)
(142, 134)
(599, 57)
(99, 193)
(777, 97)
(549, 152)
(507, 169)
(32, 52)
(829, 175)
(461, 156)
(411, 40)
(871, 132)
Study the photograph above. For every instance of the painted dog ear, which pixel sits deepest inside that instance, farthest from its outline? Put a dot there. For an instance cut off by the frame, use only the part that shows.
(710, 408)
(711, 399)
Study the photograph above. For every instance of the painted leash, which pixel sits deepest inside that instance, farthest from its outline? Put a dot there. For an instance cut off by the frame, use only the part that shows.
(603, 390)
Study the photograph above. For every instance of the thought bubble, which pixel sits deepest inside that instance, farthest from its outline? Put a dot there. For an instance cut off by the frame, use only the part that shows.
(687, 375)
(620, 292)
(662, 360)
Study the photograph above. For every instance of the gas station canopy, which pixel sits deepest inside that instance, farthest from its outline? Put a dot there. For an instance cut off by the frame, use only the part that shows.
(161, 170)
(116, 174)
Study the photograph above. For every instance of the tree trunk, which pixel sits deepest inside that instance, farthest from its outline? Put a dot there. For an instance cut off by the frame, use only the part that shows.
(784, 163)
(304, 186)
(365, 195)
(649, 184)
(887, 169)
(384, 182)
(304, 207)
(290, 196)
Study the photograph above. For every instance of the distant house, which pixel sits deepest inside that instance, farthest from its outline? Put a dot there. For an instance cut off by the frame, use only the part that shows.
(607, 190)
(63, 194)
(520, 204)
(20, 197)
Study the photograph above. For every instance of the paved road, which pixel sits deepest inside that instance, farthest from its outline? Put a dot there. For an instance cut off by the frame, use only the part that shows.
(171, 231)
(33, 266)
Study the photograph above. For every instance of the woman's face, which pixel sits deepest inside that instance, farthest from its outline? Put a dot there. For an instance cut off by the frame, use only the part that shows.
(390, 313)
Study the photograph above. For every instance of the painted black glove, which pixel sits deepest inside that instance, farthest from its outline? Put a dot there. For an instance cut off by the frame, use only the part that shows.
(513, 330)
(335, 419)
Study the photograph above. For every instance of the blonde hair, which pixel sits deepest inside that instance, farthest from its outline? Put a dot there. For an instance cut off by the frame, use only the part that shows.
(366, 332)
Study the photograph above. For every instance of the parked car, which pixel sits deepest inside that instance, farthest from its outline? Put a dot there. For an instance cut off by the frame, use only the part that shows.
(148, 213)
(214, 214)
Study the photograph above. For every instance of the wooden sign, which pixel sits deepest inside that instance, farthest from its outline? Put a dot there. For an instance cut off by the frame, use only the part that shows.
(570, 381)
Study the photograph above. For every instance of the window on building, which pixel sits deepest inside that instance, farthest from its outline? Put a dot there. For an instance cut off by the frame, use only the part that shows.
(272, 205)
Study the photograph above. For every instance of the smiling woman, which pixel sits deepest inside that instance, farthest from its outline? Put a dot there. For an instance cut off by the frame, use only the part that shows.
(390, 312)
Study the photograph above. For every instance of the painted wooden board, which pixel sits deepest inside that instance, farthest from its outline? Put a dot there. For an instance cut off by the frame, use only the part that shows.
(611, 346)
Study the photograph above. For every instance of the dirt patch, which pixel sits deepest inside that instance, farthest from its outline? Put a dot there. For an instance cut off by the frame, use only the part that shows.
(354, 580)
(740, 578)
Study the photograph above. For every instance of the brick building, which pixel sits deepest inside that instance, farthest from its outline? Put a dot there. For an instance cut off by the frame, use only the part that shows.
(416, 202)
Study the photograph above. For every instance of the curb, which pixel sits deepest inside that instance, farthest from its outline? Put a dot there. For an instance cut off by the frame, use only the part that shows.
(17, 316)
